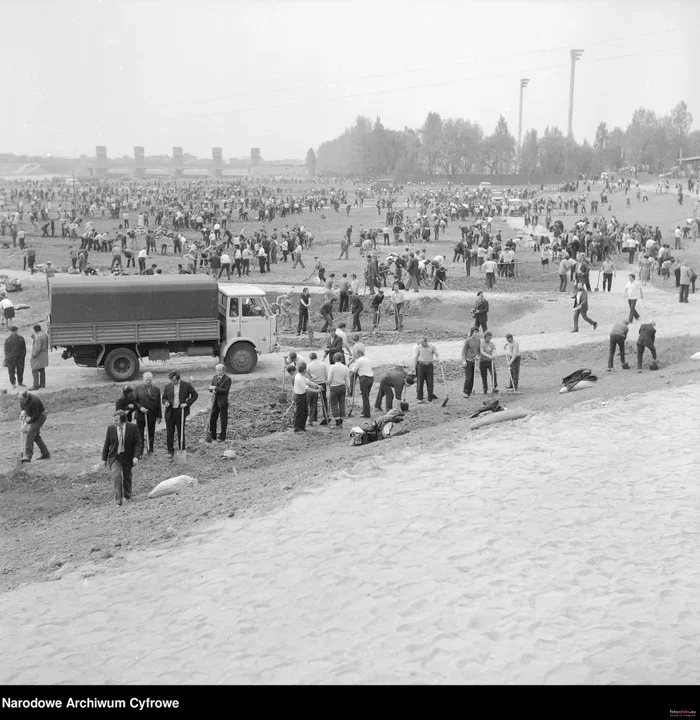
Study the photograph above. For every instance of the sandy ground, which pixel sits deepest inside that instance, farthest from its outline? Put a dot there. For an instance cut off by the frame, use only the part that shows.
(556, 562)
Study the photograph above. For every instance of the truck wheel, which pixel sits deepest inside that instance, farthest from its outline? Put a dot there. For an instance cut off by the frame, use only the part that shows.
(241, 359)
(122, 364)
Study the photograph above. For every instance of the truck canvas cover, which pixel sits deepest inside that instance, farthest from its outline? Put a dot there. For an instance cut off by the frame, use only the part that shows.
(76, 299)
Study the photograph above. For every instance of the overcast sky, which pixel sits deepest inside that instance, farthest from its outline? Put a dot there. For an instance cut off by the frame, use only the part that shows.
(285, 76)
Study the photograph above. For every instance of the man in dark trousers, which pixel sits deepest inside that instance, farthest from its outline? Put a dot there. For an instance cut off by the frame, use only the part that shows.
(15, 352)
(34, 416)
(470, 357)
(424, 355)
(219, 388)
(120, 453)
(581, 307)
(326, 311)
(356, 309)
(178, 396)
(39, 358)
(480, 313)
(618, 335)
(647, 335)
(391, 384)
(147, 401)
(304, 304)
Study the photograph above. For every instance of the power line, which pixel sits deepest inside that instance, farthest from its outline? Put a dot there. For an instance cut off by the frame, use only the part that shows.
(396, 89)
(371, 77)
(401, 72)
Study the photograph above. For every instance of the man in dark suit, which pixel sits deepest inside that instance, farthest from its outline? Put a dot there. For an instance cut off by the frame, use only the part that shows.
(120, 453)
(581, 307)
(219, 388)
(178, 396)
(147, 399)
(15, 353)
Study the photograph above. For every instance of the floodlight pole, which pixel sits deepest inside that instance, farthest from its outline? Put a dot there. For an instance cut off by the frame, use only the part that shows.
(523, 85)
(575, 55)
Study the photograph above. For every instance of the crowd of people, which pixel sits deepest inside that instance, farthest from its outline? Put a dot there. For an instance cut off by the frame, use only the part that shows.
(326, 383)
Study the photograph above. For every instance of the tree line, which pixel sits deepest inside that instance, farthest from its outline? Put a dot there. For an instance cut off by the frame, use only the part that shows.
(455, 146)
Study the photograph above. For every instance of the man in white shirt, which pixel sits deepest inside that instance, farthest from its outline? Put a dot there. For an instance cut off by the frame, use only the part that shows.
(633, 292)
(317, 371)
(362, 368)
(489, 267)
(245, 257)
(7, 310)
(225, 266)
(302, 385)
(142, 257)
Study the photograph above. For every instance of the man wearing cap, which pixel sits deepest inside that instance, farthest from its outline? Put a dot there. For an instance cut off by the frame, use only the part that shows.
(147, 401)
(219, 388)
(480, 313)
(618, 335)
(15, 352)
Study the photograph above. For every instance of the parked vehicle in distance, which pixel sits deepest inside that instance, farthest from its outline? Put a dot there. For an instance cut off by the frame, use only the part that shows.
(115, 322)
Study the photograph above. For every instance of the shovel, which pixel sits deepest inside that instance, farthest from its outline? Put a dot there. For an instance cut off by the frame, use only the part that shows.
(207, 434)
(146, 435)
(182, 453)
(22, 439)
(598, 281)
(444, 382)
(282, 397)
(352, 396)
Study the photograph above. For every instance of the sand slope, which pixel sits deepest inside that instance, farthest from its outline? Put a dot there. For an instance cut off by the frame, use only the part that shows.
(515, 555)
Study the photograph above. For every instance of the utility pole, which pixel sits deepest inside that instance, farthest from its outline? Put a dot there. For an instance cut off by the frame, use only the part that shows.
(523, 85)
(575, 55)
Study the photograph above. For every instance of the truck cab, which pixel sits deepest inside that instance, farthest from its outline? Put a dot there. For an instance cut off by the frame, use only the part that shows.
(248, 326)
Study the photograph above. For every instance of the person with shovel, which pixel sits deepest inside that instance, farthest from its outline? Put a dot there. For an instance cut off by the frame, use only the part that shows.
(178, 397)
(618, 335)
(487, 365)
(512, 350)
(34, 418)
(148, 404)
(219, 387)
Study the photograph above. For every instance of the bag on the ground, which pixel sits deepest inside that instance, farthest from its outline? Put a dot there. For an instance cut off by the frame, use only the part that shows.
(172, 485)
(575, 378)
(493, 406)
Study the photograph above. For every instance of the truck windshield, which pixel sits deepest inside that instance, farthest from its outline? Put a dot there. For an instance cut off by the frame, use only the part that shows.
(254, 307)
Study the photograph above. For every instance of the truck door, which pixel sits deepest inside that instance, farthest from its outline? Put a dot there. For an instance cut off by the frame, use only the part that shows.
(258, 322)
(233, 319)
